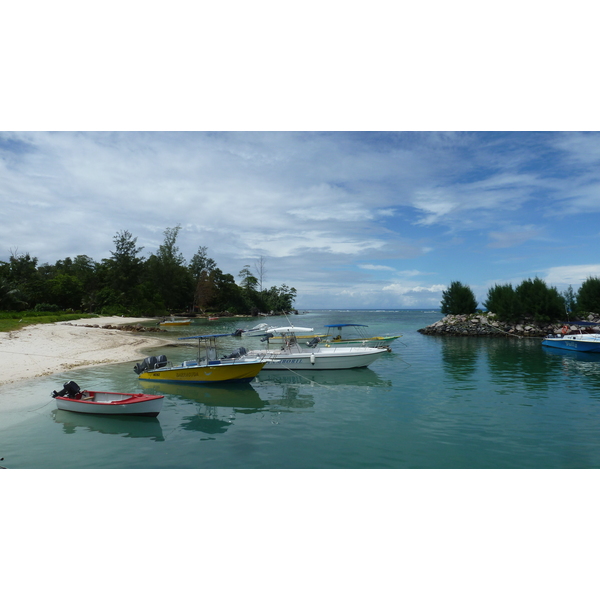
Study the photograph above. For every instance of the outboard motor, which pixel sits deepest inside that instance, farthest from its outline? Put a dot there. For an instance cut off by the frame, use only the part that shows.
(70, 390)
(313, 343)
(150, 362)
(266, 337)
(161, 361)
(237, 333)
(237, 353)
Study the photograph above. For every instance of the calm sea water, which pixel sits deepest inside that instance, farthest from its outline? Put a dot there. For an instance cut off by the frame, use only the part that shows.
(443, 403)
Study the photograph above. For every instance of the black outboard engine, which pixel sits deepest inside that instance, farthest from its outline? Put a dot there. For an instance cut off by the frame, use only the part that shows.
(237, 353)
(266, 337)
(237, 333)
(313, 343)
(150, 363)
(70, 390)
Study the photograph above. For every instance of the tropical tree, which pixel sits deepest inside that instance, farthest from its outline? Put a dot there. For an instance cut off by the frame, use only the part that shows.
(503, 302)
(588, 296)
(538, 301)
(458, 299)
(125, 267)
(168, 273)
(570, 301)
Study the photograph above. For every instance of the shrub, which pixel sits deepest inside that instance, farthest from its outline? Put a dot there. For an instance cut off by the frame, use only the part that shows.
(45, 307)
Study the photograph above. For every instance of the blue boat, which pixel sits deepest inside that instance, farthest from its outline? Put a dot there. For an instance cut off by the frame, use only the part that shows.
(579, 342)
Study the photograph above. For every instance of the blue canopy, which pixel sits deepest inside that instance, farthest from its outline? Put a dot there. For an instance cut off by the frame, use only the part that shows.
(347, 325)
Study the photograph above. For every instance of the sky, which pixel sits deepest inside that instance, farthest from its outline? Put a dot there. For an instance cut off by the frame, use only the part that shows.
(350, 219)
(370, 157)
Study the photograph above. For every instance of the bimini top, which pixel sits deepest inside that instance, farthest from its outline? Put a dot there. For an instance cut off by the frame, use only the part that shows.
(347, 325)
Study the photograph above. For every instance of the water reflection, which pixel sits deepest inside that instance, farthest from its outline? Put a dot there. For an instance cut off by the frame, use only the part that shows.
(234, 395)
(460, 356)
(206, 400)
(127, 426)
(360, 377)
(517, 364)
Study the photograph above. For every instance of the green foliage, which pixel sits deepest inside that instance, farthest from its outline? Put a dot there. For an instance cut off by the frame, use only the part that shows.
(570, 302)
(503, 301)
(540, 302)
(588, 296)
(128, 284)
(531, 299)
(458, 299)
(46, 308)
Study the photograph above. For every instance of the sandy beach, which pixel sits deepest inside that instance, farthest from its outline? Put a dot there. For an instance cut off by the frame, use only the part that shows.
(40, 350)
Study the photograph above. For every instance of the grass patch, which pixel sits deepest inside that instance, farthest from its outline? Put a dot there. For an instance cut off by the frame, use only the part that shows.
(12, 321)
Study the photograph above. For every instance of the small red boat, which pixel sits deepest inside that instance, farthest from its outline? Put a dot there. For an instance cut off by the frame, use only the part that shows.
(73, 399)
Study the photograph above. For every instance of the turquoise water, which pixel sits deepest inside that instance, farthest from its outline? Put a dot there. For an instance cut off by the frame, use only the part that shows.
(443, 403)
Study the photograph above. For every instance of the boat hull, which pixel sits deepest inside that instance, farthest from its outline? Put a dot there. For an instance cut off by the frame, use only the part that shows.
(574, 343)
(325, 359)
(108, 403)
(217, 373)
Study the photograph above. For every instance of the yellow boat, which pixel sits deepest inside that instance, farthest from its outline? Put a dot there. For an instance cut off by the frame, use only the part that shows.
(207, 368)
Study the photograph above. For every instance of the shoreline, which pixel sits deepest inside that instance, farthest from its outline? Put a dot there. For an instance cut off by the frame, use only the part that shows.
(40, 350)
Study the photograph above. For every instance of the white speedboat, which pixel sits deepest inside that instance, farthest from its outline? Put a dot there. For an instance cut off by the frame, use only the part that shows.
(312, 356)
(261, 330)
(579, 342)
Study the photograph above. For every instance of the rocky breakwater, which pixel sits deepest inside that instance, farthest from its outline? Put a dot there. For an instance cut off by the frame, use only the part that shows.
(487, 325)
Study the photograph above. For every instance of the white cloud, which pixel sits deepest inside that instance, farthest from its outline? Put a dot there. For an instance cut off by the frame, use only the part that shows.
(571, 275)
(376, 268)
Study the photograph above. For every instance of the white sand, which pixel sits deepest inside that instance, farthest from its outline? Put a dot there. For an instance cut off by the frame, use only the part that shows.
(40, 350)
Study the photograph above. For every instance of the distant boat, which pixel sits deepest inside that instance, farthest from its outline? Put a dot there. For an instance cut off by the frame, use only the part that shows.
(174, 322)
(359, 336)
(206, 368)
(73, 399)
(295, 355)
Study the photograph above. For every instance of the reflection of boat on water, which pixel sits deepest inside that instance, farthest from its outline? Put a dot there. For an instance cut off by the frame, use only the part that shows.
(236, 395)
(358, 377)
(133, 427)
(567, 353)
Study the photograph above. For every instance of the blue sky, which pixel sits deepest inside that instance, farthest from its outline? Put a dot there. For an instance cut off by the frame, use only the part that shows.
(350, 219)
(255, 128)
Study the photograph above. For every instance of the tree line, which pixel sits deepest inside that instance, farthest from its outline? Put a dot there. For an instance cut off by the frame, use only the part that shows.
(130, 284)
(532, 299)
